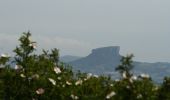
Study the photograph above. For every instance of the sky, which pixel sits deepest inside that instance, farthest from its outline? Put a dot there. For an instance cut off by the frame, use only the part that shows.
(76, 27)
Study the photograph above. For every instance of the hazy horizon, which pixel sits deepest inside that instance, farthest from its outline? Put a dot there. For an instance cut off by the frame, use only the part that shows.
(76, 27)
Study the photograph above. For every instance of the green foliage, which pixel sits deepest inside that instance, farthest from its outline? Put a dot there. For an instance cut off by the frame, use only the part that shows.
(43, 77)
(164, 91)
(126, 65)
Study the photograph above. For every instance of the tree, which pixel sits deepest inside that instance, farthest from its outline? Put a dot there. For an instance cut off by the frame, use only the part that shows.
(125, 66)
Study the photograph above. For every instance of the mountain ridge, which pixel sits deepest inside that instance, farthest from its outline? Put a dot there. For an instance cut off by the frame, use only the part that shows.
(102, 61)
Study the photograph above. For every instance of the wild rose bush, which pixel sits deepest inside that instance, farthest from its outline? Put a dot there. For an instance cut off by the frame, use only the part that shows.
(43, 77)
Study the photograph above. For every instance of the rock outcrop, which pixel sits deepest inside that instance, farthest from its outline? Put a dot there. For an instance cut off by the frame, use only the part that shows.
(105, 58)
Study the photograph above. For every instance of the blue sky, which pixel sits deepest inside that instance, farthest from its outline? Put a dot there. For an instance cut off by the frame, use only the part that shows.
(75, 27)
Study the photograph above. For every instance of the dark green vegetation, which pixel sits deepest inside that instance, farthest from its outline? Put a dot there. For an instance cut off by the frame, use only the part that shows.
(43, 77)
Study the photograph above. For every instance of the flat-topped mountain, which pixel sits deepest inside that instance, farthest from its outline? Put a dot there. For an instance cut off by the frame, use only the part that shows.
(107, 52)
(104, 60)
(99, 60)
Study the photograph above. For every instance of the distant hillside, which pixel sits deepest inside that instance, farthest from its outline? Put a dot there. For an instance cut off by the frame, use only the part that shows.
(157, 70)
(104, 60)
(69, 58)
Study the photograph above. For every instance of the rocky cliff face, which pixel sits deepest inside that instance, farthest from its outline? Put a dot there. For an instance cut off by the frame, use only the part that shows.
(105, 55)
(105, 58)
(112, 51)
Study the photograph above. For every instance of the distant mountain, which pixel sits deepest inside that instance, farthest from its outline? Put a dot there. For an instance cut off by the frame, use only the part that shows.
(103, 61)
(99, 61)
(69, 58)
(156, 70)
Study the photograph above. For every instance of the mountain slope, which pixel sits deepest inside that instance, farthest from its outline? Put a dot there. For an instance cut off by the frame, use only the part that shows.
(99, 60)
(69, 58)
(104, 60)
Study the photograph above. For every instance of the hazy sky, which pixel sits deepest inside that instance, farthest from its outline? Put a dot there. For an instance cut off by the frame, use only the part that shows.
(141, 27)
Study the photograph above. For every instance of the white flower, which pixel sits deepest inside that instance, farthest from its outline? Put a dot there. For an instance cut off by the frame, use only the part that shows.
(124, 74)
(96, 76)
(144, 76)
(68, 83)
(89, 75)
(63, 86)
(131, 81)
(4, 55)
(74, 97)
(33, 45)
(117, 80)
(111, 85)
(40, 91)
(128, 87)
(57, 70)
(155, 88)
(30, 38)
(35, 76)
(111, 94)
(139, 96)
(85, 79)
(79, 82)
(18, 67)
(2, 66)
(22, 75)
(52, 81)
(59, 78)
(30, 44)
(134, 78)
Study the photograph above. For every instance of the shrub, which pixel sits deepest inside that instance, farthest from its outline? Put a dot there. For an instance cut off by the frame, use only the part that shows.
(43, 77)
